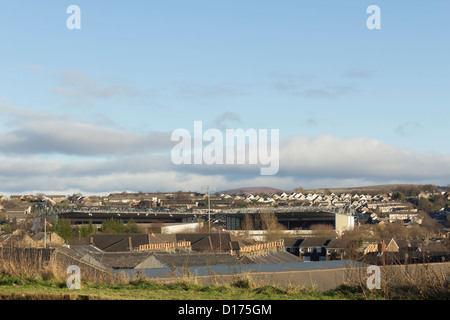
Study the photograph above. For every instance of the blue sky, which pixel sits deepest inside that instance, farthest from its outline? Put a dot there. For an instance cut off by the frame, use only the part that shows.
(76, 102)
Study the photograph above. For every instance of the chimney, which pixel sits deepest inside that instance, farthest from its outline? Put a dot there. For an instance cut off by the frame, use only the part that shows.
(382, 246)
(91, 240)
(129, 244)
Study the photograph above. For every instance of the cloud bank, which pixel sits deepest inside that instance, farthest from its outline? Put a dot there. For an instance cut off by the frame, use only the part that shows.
(65, 154)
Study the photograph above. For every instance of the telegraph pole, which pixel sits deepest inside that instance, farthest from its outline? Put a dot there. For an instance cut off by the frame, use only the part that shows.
(208, 190)
(45, 233)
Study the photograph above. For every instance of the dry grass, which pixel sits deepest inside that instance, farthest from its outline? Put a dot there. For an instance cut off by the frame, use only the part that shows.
(45, 265)
(20, 268)
(415, 281)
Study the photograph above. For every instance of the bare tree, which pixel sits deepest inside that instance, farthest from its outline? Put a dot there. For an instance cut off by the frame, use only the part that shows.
(269, 223)
(247, 223)
(323, 230)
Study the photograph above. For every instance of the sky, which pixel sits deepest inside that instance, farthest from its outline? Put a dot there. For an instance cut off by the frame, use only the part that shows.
(92, 110)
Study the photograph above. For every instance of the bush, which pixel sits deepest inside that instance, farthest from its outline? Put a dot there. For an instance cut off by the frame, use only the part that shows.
(113, 226)
(63, 228)
(86, 230)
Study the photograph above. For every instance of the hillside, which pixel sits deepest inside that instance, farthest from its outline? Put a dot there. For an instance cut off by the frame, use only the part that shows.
(374, 188)
(252, 190)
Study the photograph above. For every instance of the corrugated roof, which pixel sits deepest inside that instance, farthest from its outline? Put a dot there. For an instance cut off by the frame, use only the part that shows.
(274, 257)
(117, 242)
(121, 260)
(216, 242)
(244, 268)
(196, 259)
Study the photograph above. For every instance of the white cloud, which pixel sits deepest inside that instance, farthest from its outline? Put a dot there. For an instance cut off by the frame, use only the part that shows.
(78, 138)
(329, 156)
(42, 151)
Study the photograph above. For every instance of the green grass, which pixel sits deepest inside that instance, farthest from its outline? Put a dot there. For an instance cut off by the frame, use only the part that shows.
(16, 287)
(26, 288)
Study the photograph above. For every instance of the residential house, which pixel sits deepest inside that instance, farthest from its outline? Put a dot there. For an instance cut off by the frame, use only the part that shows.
(341, 248)
(411, 246)
(57, 197)
(314, 249)
(14, 197)
(402, 216)
(20, 212)
(292, 245)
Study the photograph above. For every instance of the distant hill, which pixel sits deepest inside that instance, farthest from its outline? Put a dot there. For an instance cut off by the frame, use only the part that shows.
(384, 187)
(375, 188)
(252, 190)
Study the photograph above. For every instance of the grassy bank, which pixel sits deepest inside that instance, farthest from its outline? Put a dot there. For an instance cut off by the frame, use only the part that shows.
(31, 277)
(17, 287)
(26, 288)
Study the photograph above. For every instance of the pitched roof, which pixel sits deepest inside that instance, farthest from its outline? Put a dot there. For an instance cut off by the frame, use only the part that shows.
(292, 242)
(315, 242)
(120, 242)
(340, 243)
(196, 259)
(137, 259)
(212, 241)
(9, 239)
(121, 260)
(275, 257)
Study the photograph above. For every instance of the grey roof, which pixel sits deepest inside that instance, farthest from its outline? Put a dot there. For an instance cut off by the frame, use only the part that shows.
(196, 259)
(340, 243)
(216, 242)
(275, 257)
(243, 268)
(9, 238)
(120, 242)
(77, 251)
(315, 242)
(121, 260)
(131, 260)
(292, 242)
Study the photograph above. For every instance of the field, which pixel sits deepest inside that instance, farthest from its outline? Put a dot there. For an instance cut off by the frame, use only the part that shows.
(22, 288)
(32, 288)
(30, 277)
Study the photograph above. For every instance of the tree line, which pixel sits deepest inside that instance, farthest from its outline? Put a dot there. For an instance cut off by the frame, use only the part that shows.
(65, 230)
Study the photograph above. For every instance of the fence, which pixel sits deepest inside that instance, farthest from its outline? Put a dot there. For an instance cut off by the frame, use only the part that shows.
(261, 248)
(167, 246)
